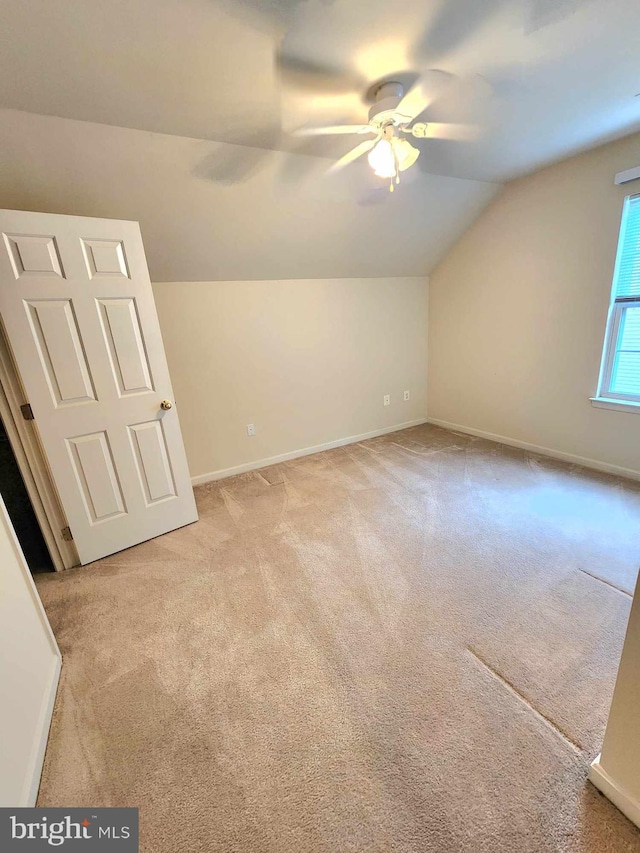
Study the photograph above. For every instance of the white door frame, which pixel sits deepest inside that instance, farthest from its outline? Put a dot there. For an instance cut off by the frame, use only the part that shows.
(32, 463)
(25, 729)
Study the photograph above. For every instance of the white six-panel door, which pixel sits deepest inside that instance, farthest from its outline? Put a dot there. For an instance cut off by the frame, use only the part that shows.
(79, 314)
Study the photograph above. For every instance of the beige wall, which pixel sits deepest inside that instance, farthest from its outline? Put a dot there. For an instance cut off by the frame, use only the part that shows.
(306, 361)
(518, 310)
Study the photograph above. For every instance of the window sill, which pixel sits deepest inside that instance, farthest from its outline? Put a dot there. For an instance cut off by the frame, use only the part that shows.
(620, 405)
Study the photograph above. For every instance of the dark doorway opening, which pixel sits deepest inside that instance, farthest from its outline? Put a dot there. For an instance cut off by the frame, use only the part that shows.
(20, 510)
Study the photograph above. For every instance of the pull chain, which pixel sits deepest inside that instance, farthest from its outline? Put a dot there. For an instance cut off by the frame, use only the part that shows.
(397, 174)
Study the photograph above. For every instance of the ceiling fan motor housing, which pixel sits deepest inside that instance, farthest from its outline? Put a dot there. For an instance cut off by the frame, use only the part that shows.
(387, 96)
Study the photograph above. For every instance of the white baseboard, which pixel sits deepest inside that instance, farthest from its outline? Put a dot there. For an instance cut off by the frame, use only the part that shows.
(618, 796)
(543, 451)
(296, 454)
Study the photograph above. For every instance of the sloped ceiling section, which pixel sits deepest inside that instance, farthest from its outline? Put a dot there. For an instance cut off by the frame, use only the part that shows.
(212, 92)
(538, 79)
(215, 211)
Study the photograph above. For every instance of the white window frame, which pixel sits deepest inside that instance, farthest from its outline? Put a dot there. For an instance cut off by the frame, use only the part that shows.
(606, 398)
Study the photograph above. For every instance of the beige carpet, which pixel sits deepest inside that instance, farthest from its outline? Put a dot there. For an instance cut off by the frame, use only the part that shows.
(404, 645)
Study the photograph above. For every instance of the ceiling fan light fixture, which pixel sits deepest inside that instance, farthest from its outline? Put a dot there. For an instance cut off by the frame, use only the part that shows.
(382, 159)
(392, 155)
(406, 154)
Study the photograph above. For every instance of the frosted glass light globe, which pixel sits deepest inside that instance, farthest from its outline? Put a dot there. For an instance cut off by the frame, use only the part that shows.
(381, 159)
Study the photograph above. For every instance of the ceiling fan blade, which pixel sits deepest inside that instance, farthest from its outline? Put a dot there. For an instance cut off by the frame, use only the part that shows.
(444, 130)
(428, 88)
(454, 26)
(352, 155)
(545, 13)
(471, 99)
(314, 78)
(451, 130)
(339, 128)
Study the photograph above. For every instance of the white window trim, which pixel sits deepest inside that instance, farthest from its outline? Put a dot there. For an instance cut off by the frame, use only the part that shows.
(605, 398)
(615, 405)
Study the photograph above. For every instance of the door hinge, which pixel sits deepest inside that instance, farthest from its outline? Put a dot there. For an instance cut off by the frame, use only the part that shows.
(27, 412)
(67, 535)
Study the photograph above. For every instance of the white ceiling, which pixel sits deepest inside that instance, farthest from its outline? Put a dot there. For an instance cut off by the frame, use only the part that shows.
(541, 79)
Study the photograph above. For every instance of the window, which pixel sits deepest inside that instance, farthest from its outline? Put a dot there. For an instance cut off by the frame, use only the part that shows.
(620, 373)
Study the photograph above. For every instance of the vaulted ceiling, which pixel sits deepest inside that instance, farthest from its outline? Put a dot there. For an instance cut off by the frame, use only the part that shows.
(537, 79)
(530, 81)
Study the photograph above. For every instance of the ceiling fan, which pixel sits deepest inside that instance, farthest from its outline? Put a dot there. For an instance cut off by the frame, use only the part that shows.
(391, 118)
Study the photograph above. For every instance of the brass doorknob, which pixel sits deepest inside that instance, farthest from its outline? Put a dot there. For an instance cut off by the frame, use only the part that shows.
(166, 405)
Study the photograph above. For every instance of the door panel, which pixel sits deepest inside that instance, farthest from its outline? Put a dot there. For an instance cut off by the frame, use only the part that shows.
(78, 309)
(33, 256)
(150, 446)
(62, 357)
(105, 259)
(96, 476)
(123, 335)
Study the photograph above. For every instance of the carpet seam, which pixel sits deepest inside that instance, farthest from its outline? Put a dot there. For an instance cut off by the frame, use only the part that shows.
(524, 701)
(607, 583)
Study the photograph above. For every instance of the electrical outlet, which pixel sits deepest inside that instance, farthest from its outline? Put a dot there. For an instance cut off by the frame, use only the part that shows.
(407, 396)
(251, 430)
(387, 399)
